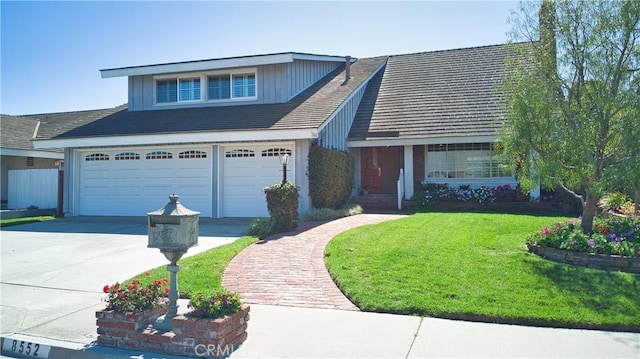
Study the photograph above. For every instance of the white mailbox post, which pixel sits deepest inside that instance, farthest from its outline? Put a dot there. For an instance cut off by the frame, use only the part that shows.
(173, 229)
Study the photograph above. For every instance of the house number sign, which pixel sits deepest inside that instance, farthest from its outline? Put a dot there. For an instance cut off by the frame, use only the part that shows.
(25, 348)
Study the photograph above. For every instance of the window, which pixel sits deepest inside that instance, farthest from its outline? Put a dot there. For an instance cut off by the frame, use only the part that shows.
(192, 154)
(276, 152)
(228, 86)
(97, 157)
(159, 155)
(126, 156)
(166, 91)
(240, 153)
(189, 89)
(219, 87)
(465, 160)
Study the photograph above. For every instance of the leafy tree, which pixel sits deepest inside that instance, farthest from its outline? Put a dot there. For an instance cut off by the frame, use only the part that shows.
(574, 99)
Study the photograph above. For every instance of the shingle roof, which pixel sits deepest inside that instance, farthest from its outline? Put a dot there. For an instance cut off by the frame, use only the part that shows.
(16, 132)
(435, 94)
(307, 110)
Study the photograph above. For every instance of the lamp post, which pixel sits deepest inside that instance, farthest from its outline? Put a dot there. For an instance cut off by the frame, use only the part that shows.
(284, 161)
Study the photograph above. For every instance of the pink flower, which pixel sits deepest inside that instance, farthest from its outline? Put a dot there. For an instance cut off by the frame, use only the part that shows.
(105, 288)
(545, 230)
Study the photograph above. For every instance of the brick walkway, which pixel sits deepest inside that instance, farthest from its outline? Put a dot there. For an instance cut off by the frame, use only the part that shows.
(289, 269)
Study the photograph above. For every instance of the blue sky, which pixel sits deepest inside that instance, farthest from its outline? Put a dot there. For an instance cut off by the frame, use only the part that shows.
(52, 51)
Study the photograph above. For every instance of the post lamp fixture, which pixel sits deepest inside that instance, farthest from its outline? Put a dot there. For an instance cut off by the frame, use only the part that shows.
(284, 161)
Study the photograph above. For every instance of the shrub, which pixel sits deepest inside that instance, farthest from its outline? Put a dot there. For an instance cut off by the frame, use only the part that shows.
(482, 195)
(282, 202)
(131, 296)
(611, 235)
(331, 177)
(628, 209)
(503, 193)
(613, 201)
(214, 305)
(260, 227)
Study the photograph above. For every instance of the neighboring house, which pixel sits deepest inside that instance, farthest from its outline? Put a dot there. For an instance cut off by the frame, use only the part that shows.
(212, 131)
(17, 152)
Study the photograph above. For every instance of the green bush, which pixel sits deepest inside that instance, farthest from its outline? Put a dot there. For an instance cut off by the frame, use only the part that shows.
(282, 202)
(331, 177)
(260, 227)
(613, 200)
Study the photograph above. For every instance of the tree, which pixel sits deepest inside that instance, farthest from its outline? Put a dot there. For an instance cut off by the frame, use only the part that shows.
(574, 101)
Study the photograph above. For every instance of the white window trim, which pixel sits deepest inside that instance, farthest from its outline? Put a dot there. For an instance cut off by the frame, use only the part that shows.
(204, 86)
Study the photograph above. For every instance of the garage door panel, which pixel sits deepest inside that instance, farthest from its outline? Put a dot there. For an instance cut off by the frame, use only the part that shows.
(134, 186)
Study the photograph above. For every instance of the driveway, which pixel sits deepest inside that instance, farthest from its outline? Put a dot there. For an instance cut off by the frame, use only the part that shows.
(52, 272)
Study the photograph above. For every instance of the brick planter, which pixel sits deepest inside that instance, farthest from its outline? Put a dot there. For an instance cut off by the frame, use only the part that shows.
(194, 337)
(598, 261)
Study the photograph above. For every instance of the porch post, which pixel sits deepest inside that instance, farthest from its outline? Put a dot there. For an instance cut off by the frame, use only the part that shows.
(408, 171)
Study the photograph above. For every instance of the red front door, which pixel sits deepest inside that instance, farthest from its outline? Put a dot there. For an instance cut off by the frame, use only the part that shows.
(381, 168)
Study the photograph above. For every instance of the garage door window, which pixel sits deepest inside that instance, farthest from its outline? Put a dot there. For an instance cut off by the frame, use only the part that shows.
(276, 152)
(192, 154)
(240, 153)
(97, 157)
(127, 156)
(159, 155)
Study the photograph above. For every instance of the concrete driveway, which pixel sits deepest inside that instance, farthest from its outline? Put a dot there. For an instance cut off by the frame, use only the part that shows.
(52, 273)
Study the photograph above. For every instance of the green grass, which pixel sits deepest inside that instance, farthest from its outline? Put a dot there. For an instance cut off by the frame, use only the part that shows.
(203, 271)
(24, 220)
(475, 266)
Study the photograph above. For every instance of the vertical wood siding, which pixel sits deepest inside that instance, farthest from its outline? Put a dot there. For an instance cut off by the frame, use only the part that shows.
(304, 73)
(33, 187)
(335, 133)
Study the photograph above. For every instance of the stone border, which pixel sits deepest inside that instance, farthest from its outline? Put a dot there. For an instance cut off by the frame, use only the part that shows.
(590, 260)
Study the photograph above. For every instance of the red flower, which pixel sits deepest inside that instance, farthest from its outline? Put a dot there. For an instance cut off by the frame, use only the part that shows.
(165, 281)
(105, 288)
(120, 295)
(166, 291)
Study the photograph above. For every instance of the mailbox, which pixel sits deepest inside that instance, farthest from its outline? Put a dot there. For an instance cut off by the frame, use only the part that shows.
(173, 227)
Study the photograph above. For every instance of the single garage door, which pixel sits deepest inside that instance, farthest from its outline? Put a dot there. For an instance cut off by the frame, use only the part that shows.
(247, 171)
(133, 182)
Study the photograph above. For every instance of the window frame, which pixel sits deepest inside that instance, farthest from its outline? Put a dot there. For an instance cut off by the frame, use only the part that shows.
(203, 78)
(466, 161)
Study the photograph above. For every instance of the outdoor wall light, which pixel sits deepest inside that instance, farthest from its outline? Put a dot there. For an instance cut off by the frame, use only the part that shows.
(284, 161)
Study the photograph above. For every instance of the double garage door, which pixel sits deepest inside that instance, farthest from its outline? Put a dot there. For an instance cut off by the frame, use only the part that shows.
(133, 182)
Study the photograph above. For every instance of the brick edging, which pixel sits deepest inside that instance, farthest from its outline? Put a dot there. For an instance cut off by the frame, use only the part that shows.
(590, 260)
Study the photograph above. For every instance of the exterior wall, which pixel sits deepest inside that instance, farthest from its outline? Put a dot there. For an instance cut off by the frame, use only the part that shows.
(276, 83)
(334, 134)
(303, 73)
(301, 177)
(19, 163)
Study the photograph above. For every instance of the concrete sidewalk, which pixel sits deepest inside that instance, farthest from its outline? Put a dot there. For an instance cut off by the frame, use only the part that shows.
(292, 332)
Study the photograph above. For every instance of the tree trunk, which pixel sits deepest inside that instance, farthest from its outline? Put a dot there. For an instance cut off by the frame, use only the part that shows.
(588, 212)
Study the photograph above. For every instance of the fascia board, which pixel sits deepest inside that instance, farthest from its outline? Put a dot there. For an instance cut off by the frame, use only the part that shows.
(31, 153)
(311, 57)
(197, 65)
(236, 136)
(421, 141)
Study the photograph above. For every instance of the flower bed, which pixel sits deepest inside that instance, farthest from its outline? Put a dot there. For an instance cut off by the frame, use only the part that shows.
(614, 243)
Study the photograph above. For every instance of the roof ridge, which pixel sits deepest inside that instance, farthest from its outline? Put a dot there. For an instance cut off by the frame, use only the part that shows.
(123, 106)
(461, 48)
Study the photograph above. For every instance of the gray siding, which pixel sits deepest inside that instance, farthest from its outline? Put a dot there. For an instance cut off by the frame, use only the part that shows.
(335, 133)
(277, 83)
(304, 73)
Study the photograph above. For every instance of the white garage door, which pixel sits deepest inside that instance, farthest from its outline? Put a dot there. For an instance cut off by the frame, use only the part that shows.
(133, 182)
(247, 171)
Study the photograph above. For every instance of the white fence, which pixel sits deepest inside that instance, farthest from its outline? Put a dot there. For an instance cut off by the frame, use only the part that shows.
(33, 188)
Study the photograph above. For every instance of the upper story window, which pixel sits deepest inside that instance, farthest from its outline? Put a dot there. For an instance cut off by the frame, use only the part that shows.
(219, 86)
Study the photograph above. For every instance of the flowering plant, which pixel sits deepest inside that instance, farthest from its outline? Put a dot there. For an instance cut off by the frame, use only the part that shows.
(611, 235)
(214, 305)
(132, 296)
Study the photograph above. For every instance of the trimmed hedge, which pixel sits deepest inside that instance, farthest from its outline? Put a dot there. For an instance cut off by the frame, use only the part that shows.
(331, 177)
(282, 202)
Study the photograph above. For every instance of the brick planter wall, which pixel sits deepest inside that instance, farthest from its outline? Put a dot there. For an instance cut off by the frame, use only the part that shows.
(598, 261)
(194, 337)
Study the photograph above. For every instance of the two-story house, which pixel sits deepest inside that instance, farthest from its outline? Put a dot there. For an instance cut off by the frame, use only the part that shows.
(212, 131)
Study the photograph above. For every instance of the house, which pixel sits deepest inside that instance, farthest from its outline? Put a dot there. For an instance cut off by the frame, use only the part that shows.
(17, 153)
(212, 130)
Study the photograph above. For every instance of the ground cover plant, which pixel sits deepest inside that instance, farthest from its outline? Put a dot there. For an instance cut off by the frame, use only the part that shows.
(203, 271)
(476, 266)
(16, 221)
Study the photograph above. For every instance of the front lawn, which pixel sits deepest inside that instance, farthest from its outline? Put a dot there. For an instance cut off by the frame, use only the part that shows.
(475, 266)
(201, 272)
(23, 220)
